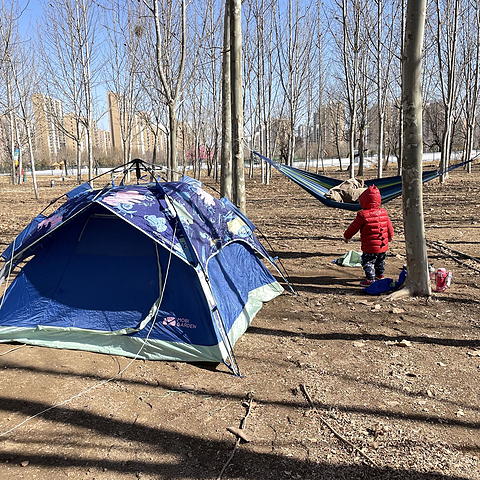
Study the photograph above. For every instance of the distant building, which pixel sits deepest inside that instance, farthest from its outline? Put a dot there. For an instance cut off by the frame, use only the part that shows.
(144, 129)
(114, 121)
(49, 134)
(71, 133)
(103, 141)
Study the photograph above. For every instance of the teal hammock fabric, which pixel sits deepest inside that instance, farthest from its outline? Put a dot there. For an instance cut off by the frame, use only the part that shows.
(318, 185)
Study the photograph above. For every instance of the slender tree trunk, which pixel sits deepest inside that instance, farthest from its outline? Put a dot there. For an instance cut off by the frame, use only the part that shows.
(32, 158)
(320, 88)
(12, 133)
(18, 178)
(449, 86)
(237, 104)
(172, 111)
(361, 148)
(226, 177)
(380, 99)
(401, 122)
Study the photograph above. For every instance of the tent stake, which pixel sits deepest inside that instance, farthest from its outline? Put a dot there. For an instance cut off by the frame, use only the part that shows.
(239, 437)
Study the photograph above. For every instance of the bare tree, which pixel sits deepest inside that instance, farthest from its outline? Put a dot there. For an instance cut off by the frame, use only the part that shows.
(19, 68)
(233, 171)
(68, 47)
(320, 82)
(226, 176)
(348, 42)
(469, 43)
(383, 42)
(447, 39)
(214, 60)
(239, 197)
(417, 282)
(16, 67)
(170, 24)
(365, 90)
(263, 65)
(9, 40)
(124, 67)
(294, 49)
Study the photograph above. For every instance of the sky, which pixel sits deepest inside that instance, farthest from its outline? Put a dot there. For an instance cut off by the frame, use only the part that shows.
(32, 12)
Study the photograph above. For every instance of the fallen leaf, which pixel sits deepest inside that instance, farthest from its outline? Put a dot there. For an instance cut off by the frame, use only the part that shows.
(404, 343)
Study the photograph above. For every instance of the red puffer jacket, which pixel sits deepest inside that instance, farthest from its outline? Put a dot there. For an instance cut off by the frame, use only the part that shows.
(375, 227)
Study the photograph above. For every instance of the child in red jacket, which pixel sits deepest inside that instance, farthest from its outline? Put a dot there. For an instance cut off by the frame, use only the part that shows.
(376, 231)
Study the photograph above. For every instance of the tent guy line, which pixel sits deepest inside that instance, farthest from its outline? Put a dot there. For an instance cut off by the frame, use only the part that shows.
(99, 384)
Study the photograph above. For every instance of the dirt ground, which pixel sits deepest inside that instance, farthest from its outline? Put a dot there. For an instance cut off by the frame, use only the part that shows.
(395, 386)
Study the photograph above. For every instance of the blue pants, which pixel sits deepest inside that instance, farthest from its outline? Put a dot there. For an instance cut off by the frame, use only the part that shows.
(373, 264)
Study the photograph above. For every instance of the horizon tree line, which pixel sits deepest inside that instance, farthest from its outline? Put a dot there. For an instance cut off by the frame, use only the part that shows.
(298, 59)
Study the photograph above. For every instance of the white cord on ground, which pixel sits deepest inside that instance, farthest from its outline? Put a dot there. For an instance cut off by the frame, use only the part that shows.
(133, 359)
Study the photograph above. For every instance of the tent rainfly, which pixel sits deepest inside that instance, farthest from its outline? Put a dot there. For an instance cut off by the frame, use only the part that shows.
(158, 271)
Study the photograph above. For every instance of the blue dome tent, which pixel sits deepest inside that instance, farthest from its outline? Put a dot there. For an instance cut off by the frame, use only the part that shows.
(159, 271)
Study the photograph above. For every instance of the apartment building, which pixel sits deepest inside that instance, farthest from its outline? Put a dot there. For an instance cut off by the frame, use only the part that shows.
(49, 121)
(144, 130)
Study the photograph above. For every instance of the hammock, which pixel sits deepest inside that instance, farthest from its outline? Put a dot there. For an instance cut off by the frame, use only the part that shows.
(318, 185)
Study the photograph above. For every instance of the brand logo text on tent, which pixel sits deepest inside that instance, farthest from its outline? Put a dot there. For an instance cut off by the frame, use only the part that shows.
(178, 322)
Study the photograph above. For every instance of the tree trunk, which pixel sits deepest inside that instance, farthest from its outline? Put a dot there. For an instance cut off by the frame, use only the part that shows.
(32, 158)
(173, 163)
(380, 99)
(417, 282)
(19, 159)
(12, 133)
(401, 124)
(361, 148)
(226, 152)
(237, 105)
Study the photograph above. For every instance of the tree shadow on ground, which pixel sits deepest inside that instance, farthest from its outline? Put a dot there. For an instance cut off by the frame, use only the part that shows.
(328, 284)
(293, 255)
(447, 342)
(32, 408)
(193, 456)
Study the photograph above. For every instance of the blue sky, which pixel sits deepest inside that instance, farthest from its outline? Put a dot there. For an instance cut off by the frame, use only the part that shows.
(32, 13)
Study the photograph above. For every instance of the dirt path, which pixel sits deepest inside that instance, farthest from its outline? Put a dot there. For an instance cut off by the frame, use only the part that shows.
(382, 410)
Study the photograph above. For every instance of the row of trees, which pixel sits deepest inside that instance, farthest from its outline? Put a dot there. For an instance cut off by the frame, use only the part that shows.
(299, 59)
(170, 60)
